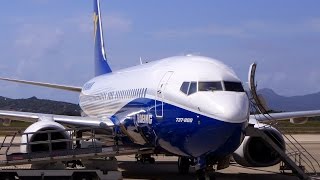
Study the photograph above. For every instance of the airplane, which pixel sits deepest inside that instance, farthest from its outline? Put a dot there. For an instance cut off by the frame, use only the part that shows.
(193, 107)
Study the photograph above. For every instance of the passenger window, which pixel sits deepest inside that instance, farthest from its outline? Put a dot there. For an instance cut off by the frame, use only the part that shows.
(184, 87)
(210, 86)
(192, 88)
(145, 92)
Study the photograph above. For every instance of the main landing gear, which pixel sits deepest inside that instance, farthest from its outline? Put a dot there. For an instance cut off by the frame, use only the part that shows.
(143, 158)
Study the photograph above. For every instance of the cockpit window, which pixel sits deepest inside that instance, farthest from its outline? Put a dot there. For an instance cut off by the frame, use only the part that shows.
(192, 88)
(189, 87)
(210, 86)
(233, 86)
(184, 87)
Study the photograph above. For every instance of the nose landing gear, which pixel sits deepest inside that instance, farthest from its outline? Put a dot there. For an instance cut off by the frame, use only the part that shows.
(183, 165)
(204, 170)
(205, 174)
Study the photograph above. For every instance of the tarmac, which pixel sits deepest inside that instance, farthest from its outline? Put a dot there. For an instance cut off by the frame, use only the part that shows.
(165, 167)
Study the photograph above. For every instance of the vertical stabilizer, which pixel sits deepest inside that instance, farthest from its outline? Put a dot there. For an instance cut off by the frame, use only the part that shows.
(101, 64)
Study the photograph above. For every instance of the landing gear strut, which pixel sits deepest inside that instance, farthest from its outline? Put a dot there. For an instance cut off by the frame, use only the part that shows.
(204, 171)
(183, 165)
(205, 174)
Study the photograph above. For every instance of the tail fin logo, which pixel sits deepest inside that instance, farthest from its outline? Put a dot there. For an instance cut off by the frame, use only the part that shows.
(95, 25)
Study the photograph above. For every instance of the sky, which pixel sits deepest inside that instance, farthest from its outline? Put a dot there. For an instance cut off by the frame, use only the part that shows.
(52, 40)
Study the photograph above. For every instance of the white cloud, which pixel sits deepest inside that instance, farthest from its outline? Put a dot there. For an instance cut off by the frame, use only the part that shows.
(48, 52)
(272, 77)
(247, 28)
(313, 80)
(209, 30)
(3, 67)
(53, 52)
(111, 23)
(117, 23)
(39, 1)
(33, 42)
(313, 24)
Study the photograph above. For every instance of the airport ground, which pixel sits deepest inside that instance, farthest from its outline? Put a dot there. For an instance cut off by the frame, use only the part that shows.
(166, 167)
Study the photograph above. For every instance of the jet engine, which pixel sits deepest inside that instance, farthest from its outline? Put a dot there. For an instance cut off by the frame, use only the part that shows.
(35, 133)
(255, 152)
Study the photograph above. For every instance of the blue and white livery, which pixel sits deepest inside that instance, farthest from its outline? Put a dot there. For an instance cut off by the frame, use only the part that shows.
(184, 102)
(194, 107)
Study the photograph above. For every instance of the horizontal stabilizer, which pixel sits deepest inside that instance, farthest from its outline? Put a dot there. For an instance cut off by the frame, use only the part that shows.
(55, 86)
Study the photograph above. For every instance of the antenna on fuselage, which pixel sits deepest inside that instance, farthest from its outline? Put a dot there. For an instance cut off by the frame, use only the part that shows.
(141, 61)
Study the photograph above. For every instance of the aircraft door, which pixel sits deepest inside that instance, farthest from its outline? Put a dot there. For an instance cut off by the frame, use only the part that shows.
(160, 93)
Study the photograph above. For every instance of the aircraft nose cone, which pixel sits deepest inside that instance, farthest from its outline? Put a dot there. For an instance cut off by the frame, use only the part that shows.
(235, 107)
(227, 106)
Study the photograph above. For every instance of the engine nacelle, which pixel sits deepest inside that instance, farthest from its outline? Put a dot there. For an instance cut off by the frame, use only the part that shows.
(301, 120)
(43, 126)
(255, 152)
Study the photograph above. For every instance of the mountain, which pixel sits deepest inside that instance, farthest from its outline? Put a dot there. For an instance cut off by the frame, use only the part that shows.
(36, 105)
(294, 103)
(274, 102)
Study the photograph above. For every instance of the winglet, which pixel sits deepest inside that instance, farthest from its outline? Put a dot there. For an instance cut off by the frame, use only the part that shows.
(101, 64)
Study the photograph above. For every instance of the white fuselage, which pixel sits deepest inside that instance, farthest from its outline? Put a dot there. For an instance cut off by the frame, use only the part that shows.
(160, 82)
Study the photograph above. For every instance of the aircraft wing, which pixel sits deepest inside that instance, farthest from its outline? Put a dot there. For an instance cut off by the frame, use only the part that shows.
(295, 117)
(49, 85)
(67, 120)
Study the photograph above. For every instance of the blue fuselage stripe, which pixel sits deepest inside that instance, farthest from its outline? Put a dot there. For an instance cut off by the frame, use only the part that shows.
(181, 131)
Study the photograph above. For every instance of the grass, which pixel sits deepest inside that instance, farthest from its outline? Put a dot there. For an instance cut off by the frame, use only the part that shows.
(17, 124)
(307, 128)
(310, 127)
